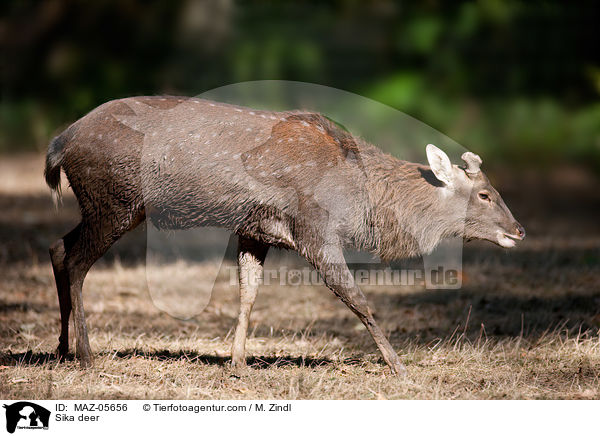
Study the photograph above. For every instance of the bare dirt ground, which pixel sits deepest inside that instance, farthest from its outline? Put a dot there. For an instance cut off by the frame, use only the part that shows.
(524, 325)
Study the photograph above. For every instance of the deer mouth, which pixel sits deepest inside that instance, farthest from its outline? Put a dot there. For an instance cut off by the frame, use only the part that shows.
(508, 240)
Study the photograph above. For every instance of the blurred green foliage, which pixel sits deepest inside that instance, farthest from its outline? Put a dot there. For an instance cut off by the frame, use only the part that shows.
(515, 80)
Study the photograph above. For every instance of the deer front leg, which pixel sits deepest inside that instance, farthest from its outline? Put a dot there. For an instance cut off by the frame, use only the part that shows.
(251, 258)
(331, 264)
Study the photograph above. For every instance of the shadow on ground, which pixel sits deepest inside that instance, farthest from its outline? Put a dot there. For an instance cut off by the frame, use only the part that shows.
(30, 358)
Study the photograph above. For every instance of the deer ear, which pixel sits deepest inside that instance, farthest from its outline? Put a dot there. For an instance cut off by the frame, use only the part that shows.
(440, 164)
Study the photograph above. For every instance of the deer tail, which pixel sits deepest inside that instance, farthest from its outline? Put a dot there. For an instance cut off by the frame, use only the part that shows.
(54, 159)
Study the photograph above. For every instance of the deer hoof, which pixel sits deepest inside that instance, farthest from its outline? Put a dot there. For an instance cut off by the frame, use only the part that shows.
(86, 363)
(61, 353)
(238, 362)
(85, 359)
(398, 369)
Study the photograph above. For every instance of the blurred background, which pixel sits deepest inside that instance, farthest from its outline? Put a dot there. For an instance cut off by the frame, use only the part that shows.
(516, 81)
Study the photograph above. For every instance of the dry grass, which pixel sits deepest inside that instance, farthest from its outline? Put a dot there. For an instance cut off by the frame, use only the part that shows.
(525, 325)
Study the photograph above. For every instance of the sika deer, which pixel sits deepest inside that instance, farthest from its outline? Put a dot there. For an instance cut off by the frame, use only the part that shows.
(285, 179)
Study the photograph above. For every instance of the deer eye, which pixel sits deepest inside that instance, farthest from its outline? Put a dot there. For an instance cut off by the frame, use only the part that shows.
(484, 196)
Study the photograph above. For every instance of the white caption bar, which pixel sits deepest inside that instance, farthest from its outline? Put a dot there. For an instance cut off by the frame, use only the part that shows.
(21, 417)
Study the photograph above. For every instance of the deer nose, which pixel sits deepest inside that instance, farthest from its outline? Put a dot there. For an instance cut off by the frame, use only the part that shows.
(520, 231)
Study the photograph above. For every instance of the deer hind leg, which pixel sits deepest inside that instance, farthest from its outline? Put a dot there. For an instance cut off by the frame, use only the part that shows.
(251, 258)
(72, 257)
(61, 276)
(330, 263)
(78, 261)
